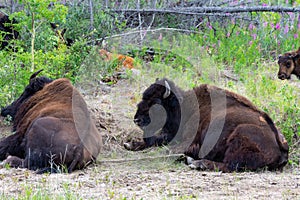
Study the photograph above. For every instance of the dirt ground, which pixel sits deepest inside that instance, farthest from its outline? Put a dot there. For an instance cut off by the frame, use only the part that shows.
(119, 174)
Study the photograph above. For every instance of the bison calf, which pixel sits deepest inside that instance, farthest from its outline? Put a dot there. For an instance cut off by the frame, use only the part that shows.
(217, 128)
(52, 128)
(289, 63)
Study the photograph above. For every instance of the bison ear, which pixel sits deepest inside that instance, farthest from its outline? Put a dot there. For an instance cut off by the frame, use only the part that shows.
(53, 25)
(296, 56)
(168, 90)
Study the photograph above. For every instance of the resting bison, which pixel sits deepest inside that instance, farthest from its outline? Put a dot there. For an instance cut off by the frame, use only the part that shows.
(126, 61)
(289, 63)
(7, 31)
(226, 131)
(52, 128)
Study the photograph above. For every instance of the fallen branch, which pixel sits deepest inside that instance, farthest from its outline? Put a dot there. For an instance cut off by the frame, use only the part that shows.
(148, 31)
(171, 156)
(205, 10)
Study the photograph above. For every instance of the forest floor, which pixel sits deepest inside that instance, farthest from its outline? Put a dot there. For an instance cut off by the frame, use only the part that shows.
(121, 174)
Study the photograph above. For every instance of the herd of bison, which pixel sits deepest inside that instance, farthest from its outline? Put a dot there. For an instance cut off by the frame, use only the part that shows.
(54, 132)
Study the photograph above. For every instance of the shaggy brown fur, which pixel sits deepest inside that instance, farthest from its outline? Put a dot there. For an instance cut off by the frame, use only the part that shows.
(53, 128)
(289, 63)
(247, 140)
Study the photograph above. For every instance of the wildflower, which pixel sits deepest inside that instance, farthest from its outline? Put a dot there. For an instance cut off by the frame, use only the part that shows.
(209, 26)
(264, 4)
(233, 20)
(228, 34)
(286, 29)
(277, 26)
(251, 42)
(251, 27)
(265, 24)
(160, 37)
(295, 35)
(237, 33)
(292, 16)
(254, 36)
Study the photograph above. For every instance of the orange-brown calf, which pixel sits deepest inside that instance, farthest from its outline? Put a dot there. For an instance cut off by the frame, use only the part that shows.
(126, 61)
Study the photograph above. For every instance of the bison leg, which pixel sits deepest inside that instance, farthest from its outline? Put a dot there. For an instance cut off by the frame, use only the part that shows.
(12, 145)
(205, 164)
(252, 147)
(78, 157)
(157, 140)
(249, 147)
(51, 143)
(135, 146)
(13, 161)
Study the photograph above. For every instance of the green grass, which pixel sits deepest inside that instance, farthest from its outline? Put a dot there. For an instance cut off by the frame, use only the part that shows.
(247, 54)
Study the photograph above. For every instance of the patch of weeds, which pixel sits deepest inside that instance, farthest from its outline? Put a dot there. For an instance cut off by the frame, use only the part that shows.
(111, 194)
(68, 194)
(7, 121)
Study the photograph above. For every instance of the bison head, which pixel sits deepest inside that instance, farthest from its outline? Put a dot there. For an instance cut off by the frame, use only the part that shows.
(35, 84)
(159, 108)
(7, 29)
(287, 64)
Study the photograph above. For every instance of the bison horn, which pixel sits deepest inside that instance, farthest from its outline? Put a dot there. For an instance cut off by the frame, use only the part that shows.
(168, 90)
(34, 74)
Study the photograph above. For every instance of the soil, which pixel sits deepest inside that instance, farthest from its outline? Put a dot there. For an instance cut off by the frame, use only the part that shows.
(151, 174)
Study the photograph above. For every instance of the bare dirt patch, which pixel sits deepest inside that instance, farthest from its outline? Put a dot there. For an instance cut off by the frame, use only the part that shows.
(112, 177)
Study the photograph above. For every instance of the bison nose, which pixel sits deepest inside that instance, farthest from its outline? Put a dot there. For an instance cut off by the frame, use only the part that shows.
(281, 76)
(137, 121)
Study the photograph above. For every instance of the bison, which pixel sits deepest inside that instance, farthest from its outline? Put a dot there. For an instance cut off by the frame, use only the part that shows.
(289, 63)
(52, 127)
(7, 30)
(61, 39)
(126, 61)
(218, 128)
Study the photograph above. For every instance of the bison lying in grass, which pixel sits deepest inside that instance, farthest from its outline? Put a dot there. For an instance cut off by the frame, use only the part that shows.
(225, 130)
(52, 128)
(289, 63)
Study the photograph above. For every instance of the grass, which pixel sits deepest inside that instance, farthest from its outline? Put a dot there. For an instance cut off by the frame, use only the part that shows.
(245, 56)
(278, 98)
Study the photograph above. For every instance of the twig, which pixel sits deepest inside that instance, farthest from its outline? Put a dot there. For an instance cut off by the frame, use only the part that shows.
(153, 16)
(140, 21)
(139, 159)
(151, 30)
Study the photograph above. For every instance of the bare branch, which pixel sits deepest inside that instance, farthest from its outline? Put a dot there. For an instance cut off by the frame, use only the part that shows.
(205, 10)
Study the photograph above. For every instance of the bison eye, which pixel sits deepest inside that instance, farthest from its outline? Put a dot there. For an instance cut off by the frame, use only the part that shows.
(288, 65)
